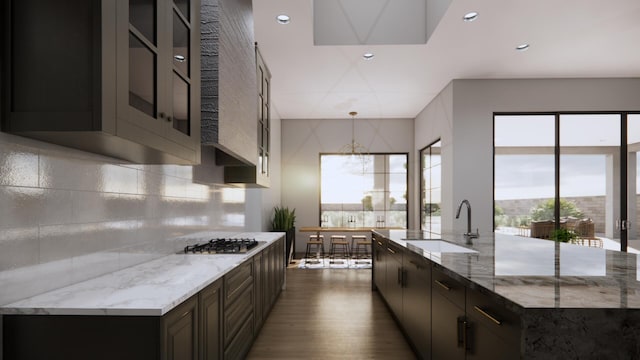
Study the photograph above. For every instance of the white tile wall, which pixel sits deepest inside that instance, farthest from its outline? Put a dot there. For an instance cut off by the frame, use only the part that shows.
(67, 215)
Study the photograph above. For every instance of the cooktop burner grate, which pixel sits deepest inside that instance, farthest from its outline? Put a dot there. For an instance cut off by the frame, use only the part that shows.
(222, 246)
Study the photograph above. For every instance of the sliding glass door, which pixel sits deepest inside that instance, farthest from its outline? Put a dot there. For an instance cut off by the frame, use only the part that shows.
(568, 173)
(590, 176)
(524, 174)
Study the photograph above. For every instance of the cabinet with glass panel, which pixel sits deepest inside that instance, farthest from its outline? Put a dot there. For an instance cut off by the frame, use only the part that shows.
(119, 78)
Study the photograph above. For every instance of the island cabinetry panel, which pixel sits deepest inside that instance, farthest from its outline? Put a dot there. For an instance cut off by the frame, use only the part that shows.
(469, 324)
(494, 330)
(395, 280)
(119, 78)
(380, 264)
(211, 322)
(449, 324)
(180, 331)
(416, 302)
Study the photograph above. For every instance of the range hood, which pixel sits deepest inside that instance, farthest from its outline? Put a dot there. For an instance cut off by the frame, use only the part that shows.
(229, 96)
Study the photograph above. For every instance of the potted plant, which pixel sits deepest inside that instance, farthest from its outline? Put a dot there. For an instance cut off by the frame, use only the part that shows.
(284, 220)
(564, 235)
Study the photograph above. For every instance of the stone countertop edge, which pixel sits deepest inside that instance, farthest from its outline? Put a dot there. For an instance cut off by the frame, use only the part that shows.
(522, 293)
(450, 272)
(152, 288)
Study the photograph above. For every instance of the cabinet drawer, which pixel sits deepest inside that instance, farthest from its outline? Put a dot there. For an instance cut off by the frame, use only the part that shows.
(237, 280)
(236, 313)
(395, 251)
(448, 287)
(485, 311)
(240, 345)
(418, 266)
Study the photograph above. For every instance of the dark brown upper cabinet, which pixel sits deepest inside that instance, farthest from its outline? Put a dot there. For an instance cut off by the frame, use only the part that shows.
(119, 78)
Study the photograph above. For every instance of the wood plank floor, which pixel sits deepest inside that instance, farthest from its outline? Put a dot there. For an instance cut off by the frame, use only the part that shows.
(330, 314)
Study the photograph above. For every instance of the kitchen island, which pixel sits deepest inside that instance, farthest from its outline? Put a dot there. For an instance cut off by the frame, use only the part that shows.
(503, 296)
(178, 306)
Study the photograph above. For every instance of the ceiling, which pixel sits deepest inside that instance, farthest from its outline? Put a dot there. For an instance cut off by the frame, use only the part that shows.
(568, 38)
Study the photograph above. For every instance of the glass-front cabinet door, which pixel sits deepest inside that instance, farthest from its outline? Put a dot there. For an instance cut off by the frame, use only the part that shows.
(156, 87)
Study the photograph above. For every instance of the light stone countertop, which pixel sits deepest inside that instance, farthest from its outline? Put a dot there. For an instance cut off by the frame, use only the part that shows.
(529, 273)
(150, 289)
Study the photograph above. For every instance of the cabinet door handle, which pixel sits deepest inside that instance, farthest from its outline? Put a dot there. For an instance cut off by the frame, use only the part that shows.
(403, 278)
(461, 331)
(487, 315)
(415, 264)
(161, 115)
(400, 276)
(443, 285)
(169, 119)
(379, 243)
(391, 250)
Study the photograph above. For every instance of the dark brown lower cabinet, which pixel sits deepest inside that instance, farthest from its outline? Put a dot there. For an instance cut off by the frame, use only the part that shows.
(62, 337)
(217, 323)
(442, 318)
(258, 285)
(394, 281)
(416, 303)
(180, 331)
(379, 265)
(211, 324)
(495, 331)
(448, 317)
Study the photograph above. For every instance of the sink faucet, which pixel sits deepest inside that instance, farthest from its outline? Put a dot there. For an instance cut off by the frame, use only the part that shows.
(469, 233)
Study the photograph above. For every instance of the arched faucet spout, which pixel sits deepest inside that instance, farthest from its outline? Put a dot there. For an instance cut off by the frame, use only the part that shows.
(469, 233)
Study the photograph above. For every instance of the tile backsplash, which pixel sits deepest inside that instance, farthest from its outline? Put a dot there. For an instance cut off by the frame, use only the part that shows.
(68, 215)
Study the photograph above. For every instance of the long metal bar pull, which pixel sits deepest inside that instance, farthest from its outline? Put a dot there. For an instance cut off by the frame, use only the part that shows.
(443, 285)
(391, 250)
(487, 315)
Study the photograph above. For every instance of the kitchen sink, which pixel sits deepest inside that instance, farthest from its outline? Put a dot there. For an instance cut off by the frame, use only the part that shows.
(438, 246)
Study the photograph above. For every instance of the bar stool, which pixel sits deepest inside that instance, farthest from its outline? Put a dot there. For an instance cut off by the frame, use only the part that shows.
(362, 247)
(315, 246)
(339, 247)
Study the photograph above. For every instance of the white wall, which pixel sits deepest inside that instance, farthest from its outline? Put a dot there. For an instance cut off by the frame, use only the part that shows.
(466, 128)
(304, 140)
(68, 215)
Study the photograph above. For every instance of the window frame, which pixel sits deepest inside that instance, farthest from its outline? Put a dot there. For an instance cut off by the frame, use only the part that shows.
(407, 177)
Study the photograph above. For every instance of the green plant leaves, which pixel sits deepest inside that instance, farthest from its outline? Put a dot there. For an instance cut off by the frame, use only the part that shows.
(283, 219)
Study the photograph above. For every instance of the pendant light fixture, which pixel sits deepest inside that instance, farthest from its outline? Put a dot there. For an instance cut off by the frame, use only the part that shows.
(358, 152)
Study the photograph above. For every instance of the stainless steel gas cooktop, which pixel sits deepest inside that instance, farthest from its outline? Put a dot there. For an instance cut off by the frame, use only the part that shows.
(222, 246)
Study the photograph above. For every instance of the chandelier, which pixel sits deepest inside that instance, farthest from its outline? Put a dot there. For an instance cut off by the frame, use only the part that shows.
(359, 153)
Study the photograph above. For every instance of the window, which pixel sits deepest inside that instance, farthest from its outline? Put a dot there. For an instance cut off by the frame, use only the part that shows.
(430, 187)
(363, 191)
(567, 171)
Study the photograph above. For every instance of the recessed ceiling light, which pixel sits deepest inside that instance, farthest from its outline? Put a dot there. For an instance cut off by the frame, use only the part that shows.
(470, 16)
(522, 47)
(368, 56)
(283, 19)
(179, 58)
